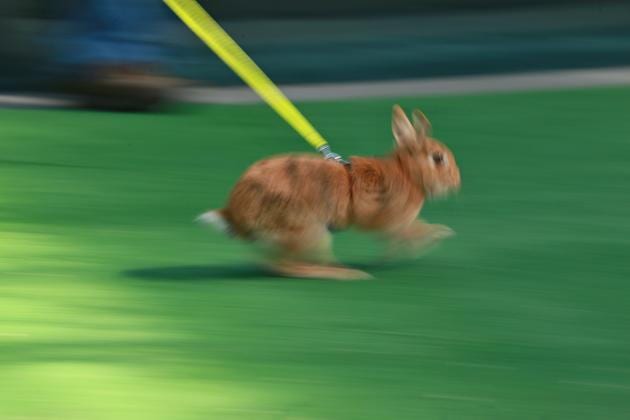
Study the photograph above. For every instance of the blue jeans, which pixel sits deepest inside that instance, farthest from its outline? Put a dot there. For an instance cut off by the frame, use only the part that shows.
(114, 32)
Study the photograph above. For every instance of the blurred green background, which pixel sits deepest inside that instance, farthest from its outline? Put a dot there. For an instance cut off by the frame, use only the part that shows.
(350, 40)
(114, 305)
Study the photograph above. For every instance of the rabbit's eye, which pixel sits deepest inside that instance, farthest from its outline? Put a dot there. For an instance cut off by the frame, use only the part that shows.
(438, 158)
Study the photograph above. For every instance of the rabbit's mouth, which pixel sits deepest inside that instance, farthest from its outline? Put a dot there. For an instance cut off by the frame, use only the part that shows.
(442, 191)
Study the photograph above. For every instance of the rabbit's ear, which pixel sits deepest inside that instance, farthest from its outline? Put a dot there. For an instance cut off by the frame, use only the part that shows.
(403, 131)
(421, 123)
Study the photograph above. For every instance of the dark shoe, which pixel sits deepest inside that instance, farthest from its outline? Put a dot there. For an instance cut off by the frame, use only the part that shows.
(122, 88)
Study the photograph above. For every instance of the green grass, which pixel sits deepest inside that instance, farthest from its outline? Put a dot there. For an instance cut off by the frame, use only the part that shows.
(114, 305)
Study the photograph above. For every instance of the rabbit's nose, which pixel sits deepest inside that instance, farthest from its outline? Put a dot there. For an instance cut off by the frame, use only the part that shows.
(457, 183)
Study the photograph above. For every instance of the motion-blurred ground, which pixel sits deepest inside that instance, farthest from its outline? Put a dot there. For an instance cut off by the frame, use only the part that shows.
(114, 305)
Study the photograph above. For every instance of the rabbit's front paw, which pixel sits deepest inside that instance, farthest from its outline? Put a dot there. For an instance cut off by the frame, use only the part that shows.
(432, 235)
(438, 232)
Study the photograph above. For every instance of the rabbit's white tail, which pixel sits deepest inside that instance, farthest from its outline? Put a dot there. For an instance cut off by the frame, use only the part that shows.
(215, 219)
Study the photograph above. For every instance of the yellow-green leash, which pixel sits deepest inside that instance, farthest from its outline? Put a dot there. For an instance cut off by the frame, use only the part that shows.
(209, 31)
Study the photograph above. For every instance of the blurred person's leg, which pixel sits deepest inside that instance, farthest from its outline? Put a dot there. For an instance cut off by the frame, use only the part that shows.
(114, 53)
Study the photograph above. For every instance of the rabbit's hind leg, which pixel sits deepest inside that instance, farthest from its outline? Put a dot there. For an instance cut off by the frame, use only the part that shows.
(305, 253)
(289, 268)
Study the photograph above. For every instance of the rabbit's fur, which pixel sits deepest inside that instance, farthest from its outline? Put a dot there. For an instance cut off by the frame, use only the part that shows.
(290, 203)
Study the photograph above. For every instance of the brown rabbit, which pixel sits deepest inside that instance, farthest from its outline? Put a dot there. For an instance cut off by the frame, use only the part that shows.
(290, 203)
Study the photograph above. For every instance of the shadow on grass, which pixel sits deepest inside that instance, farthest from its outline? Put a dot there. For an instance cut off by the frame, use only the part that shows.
(237, 272)
(200, 272)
